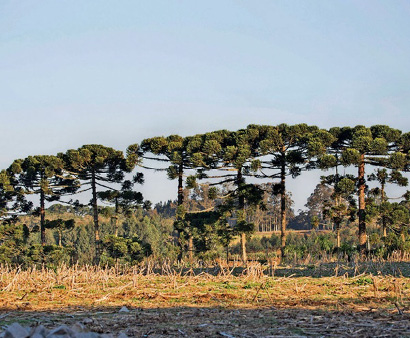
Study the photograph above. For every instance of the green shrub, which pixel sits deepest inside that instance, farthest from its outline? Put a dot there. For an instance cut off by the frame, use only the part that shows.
(124, 250)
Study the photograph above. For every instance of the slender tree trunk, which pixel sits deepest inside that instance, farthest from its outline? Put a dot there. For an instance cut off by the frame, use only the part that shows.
(191, 248)
(60, 241)
(180, 185)
(283, 209)
(241, 208)
(180, 202)
(362, 205)
(95, 213)
(42, 218)
(243, 248)
(337, 225)
(115, 223)
(384, 227)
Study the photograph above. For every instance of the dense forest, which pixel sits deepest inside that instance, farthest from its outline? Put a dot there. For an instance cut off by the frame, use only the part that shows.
(232, 200)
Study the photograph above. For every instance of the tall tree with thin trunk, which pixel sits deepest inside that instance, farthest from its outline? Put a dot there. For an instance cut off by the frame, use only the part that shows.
(287, 151)
(361, 146)
(179, 154)
(228, 158)
(341, 206)
(46, 176)
(383, 177)
(316, 201)
(124, 200)
(12, 198)
(60, 225)
(96, 166)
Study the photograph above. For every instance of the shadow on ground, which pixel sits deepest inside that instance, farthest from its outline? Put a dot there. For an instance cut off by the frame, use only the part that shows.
(219, 322)
(318, 270)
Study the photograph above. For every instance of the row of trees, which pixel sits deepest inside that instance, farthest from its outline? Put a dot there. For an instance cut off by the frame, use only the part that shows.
(231, 162)
(53, 177)
(276, 152)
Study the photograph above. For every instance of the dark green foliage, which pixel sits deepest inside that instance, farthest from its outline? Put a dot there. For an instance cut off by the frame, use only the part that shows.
(378, 145)
(298, 245)
(107, 163)
(84, 243)
(209, 215)
(126, 250)
(12, 197)
(51, 256)
(208, 230)
(378, 205)
(315, 245)
(13, 241)
(152, 228)
(46, 176)
(125, 201)
(43, 174)
(60, 226)
(180, 154)
(291, 149)
(174, 149)
(95, 165)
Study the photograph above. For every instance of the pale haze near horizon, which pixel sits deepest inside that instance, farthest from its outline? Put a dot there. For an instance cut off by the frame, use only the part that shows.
(114, 73)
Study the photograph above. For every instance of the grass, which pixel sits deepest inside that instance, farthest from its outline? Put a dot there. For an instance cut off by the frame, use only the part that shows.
(213, 302)
(45, 289)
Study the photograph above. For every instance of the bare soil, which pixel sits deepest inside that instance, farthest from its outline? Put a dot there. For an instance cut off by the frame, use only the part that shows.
(205, 305)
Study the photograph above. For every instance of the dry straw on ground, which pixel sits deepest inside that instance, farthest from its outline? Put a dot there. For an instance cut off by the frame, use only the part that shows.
(223, 299)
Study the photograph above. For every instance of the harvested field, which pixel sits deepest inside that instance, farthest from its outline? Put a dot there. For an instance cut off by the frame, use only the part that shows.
(180, 303)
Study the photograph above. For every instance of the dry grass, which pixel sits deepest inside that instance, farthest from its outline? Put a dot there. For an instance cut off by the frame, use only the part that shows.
(187, 302)
(95, 287)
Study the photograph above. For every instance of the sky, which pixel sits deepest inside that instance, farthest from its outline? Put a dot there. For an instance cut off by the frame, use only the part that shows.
(115, 72)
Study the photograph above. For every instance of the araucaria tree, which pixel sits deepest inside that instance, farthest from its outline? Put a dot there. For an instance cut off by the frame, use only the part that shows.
(383, 177)
(228, 158)
(287, 151)
(125, 200)
(180, 154)
(341, 206)
(46, 176)
(12, 198)
(377, 146)
(239, 154)
(96, 166)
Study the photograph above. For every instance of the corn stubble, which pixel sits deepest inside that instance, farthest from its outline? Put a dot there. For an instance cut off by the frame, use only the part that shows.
(280, 304)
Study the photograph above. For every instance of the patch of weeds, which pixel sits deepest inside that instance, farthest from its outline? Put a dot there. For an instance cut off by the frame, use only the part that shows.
(363, 281)
(213, 284)
(226, 285)
(269, 284)
(391, 299)
(59, 287)
(176, 300)
(251, 285)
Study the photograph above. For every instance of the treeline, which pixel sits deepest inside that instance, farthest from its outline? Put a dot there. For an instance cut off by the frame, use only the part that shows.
(218, 195)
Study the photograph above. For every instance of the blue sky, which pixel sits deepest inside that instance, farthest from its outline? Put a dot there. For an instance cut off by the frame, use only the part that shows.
(115, 72)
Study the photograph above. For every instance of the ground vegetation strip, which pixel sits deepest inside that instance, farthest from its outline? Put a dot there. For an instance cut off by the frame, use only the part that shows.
(181, 302)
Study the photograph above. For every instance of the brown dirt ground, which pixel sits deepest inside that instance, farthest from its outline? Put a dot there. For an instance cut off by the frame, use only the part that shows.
(224, 322)
(207, 305)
